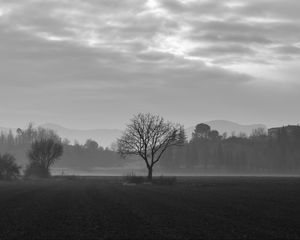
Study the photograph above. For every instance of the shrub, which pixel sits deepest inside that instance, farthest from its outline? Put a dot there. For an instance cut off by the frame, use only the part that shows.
(36, 171)
(8, 168)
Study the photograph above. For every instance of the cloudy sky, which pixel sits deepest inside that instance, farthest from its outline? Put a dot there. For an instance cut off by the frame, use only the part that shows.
(95, 63)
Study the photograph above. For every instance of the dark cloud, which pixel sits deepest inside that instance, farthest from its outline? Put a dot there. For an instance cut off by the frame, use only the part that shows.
(284, 10)
(287, 50)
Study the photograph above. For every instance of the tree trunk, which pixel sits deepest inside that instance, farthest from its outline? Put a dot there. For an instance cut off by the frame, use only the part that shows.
(150, 173)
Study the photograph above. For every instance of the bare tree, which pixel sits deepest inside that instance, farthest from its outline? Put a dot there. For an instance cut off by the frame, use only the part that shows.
(42, 155)
(149, 136)
(258, 133)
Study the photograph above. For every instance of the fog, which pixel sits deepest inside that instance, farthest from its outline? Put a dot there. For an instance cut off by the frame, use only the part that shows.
(149, 119)
(262, 153)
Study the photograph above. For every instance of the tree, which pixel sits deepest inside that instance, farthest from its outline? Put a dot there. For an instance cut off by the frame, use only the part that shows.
(202, 130)
(149, 136)
(91, 145)
(8, 167)
(258, 133)
(43, 154)
(214, 135)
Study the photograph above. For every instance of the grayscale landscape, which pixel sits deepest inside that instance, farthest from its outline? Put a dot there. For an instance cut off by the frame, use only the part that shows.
(149, 119)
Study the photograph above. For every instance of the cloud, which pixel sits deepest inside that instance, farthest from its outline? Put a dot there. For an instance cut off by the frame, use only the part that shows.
(119, 57)
(287, 50)
(135, 27)
(223, 50)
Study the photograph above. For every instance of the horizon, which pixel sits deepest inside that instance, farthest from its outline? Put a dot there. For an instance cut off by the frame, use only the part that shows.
(120, 127)
(105, 137)
(101, 128)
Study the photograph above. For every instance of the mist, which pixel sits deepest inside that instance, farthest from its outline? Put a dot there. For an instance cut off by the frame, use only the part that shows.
(206, 152)
(149, 119)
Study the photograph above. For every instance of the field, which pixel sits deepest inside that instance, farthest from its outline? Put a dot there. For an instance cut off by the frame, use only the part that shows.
(103, 208)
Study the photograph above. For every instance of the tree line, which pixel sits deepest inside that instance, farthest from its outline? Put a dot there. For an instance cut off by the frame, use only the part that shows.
(158, 143)
(43, 148)
(208, 151)
(33, 150)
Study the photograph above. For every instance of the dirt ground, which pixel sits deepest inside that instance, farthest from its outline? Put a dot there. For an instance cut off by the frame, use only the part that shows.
(194, 208)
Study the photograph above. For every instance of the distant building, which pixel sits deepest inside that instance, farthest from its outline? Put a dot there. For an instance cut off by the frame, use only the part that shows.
(290, 130)
(273, 132)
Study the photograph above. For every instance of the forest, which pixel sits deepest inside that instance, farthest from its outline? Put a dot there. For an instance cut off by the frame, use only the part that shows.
(261, 152)
(76, 156)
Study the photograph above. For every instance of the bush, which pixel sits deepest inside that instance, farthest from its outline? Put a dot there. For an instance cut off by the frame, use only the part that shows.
(36, 171)
(8, 168)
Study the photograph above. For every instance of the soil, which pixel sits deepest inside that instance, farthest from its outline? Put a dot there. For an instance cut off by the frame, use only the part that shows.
(193, 208)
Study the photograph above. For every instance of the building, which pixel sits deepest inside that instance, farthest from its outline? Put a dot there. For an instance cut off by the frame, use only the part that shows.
(290, 130)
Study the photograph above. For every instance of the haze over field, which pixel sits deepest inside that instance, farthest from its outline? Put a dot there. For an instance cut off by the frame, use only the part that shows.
(105, 137)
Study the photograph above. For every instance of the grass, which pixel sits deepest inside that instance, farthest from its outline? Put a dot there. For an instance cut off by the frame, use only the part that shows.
(161, 180)
(132, 178)
(193, 208)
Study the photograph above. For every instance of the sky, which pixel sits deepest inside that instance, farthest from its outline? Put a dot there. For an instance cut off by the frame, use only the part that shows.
(95, 63)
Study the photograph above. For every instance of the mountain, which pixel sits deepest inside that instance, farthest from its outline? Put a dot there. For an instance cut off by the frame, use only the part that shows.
(103, 136)
(106, 136)
(229, 127)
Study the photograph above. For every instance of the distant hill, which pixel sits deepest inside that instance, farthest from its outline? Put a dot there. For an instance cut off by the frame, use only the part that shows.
(229, 127)
(103, 136)
(106, 136)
